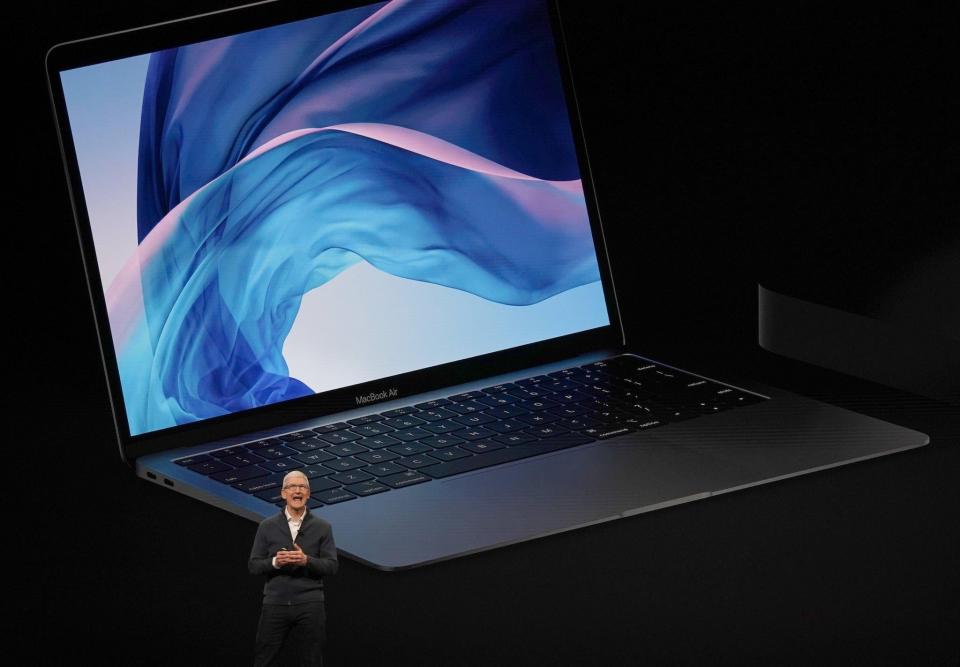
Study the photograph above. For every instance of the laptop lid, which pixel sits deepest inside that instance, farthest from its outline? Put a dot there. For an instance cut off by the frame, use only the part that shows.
(285, 214)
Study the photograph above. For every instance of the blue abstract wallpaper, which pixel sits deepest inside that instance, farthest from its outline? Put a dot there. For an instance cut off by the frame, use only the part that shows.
(428, 142)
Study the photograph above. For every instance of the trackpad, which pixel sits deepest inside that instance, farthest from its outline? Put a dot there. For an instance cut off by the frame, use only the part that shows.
(524, 500)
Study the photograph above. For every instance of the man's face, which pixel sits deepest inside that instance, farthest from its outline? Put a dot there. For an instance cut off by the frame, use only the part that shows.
(295, 492)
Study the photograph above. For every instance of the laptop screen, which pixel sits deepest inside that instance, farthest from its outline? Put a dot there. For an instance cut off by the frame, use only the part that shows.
(318, 204)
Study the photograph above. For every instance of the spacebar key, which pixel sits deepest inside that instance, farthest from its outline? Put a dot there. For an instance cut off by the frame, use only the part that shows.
(516, 453)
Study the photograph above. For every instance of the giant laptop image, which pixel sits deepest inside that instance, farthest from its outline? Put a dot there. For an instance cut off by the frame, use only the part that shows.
(361, 241)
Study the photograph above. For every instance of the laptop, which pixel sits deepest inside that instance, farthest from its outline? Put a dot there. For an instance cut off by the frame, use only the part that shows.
(361, 241)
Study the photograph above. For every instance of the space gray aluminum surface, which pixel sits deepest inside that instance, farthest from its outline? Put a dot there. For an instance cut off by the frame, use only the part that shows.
(785, 436)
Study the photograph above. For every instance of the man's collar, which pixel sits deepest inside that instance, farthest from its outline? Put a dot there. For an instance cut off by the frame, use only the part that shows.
(288, 516)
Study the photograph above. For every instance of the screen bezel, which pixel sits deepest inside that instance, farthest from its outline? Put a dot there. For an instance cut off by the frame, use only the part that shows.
(226, 22)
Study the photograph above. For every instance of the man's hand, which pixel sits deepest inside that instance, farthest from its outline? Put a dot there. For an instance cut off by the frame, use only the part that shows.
(296, 557)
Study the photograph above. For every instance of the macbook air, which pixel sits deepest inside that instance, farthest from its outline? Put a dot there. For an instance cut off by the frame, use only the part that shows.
(361, 241)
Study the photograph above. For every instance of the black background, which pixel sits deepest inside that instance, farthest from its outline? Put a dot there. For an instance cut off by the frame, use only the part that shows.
(720, 137)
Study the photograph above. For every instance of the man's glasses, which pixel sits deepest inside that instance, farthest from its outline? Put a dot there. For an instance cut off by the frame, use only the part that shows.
(302, 487)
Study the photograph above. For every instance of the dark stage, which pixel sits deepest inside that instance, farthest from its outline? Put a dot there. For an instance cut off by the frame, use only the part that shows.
(708, 157)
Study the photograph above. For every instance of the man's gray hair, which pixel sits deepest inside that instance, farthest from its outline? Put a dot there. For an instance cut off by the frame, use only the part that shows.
(291, 474)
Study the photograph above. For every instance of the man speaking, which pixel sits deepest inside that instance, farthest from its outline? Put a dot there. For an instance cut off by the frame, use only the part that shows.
(295, 550)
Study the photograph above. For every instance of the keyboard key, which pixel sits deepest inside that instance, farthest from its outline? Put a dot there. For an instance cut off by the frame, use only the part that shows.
(260, 444)
(441, 441)
(632, 396)
(341, 465)
(330, 428)
(664, 378)
(607, 431)
(677, 414)
(595, 390)
(499, 388)
(436, 414)
(598, 405)
(193, 460)
(378, 456)
(546, 431)
(403, 422)
(538, 418)
(446, 425)
(339, 437)
(417, 461)
(494, 400)
(313, 470)
(281, 465)
(476, 419)
(271, 496)
(570, 396)
(360, 421)
(276, 452)
(209, 467)
(379, 442)
(398, 412)
(367, 488)
(647, 408)
(579, 423)
(701, 386)
(346, 449)
(483, 446)
(229, 451)
(449, 454)
(448, 468)
(239, 475)
(409, 449)
(507, 426)
(476, 433)
(385, 469)
(411, 434)
(537, 404)
(309, 445)
(406, 478)
(351, 477)
(466, 396)
(506, 411)
(514, 438)
(313, 458)
(529, 393)
(557, 385)
(709, 407)
(247, 459)
(335, 496)
(431, 405)
(259, 483)
(572, 410)
(467, 407)
(608, 416)
(370, 430)
(594, 376)
(298, 435)
(736, 397)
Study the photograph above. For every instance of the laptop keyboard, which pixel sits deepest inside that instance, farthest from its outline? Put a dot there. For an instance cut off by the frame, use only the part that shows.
(469, 431)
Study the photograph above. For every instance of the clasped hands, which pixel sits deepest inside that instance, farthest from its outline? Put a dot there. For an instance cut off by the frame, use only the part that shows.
(291, 557)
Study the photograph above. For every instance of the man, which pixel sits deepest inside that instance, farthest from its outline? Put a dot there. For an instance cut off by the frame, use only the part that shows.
(295, 550)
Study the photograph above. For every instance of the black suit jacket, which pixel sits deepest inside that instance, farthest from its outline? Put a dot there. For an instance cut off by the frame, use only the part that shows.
(294, 584)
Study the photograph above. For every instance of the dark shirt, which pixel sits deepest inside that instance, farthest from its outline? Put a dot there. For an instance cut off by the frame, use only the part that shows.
(294, 584)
